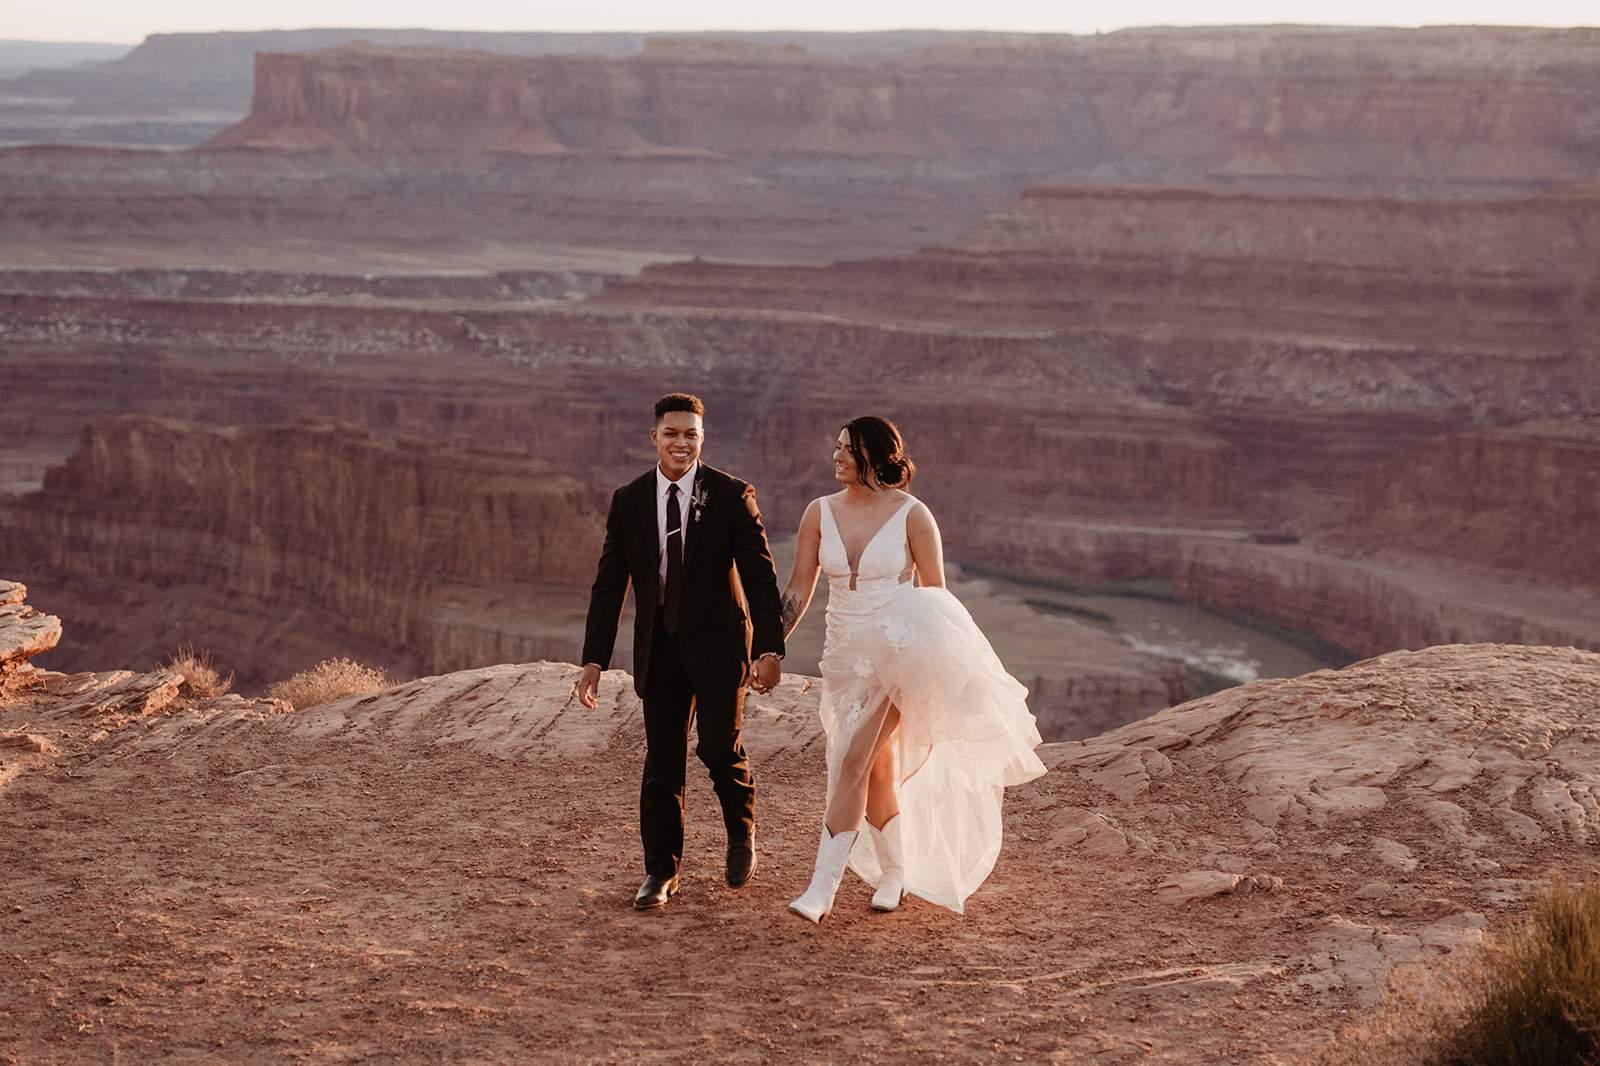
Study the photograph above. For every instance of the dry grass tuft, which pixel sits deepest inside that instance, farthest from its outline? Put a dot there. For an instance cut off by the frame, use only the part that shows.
(330, 679)
(1424, 1006)
(1530, 997)
(200, 678)
(1540, 1000)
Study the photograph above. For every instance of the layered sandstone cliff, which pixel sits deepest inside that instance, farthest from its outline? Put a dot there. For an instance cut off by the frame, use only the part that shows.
(1508, 279)
(24, 631)
(1520, 500)
(762, 152)
(1078, 447)
(1316, 335)
(1097, 378)
(406, 546)
(1035, 422)
(272, 547)
(1372, 606)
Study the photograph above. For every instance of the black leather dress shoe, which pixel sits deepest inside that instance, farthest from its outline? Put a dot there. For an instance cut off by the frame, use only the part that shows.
(655, 892)
(741, 860)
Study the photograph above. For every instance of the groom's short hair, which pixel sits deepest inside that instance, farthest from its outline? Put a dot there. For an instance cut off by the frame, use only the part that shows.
(679, 401)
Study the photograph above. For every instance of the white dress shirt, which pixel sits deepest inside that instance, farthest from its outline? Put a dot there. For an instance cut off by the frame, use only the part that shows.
(685, 490)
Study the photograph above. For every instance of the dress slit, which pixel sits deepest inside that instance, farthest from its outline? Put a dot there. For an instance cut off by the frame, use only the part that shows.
(964, 731)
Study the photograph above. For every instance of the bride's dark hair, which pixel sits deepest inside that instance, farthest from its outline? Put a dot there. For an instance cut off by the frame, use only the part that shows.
(876, 445)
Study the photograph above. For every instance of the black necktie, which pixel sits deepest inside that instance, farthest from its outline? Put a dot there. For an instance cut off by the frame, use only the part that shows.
(674, 591)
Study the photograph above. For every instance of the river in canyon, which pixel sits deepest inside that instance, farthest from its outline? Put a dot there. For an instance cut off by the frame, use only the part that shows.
(1029, 622)
(1230, 649)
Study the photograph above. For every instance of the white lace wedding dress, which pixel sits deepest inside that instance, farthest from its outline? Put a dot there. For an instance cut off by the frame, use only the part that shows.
(965, 731)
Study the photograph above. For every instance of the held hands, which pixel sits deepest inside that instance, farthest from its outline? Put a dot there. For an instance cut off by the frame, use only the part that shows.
(589, 686)
(765, 673)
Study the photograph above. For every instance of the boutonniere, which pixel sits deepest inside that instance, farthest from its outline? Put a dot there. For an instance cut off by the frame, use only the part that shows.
(698, 501)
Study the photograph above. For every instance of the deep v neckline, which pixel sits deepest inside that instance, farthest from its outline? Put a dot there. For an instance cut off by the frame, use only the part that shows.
(855, 565)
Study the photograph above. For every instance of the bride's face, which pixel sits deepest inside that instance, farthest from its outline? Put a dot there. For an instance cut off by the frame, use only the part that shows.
(846, 470)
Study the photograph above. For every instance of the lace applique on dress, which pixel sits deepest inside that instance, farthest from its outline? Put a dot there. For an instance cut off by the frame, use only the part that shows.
(898, 630)
(852, 710)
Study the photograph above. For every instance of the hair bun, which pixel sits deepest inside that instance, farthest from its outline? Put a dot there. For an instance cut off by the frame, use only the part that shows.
(879, 452)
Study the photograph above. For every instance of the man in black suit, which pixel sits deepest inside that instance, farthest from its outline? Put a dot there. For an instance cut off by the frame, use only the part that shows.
(689, 539)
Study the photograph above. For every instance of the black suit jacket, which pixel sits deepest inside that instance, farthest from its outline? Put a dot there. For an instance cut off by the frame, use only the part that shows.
(730, 609)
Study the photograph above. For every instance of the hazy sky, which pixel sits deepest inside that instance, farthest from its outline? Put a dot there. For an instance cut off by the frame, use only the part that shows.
(119, 20)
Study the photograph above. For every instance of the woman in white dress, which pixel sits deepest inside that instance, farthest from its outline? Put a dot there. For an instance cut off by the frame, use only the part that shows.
(925, 728)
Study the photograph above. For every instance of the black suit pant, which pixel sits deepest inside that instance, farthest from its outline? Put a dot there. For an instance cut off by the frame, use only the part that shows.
(671, 703)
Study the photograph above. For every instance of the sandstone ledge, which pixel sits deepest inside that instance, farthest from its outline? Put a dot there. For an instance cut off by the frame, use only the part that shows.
(1216, 873)
(24, 632)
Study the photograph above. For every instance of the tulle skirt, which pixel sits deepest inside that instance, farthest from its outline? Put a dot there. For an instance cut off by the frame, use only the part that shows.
(964, 731)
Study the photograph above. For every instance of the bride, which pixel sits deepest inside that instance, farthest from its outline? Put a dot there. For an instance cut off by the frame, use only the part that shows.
(924, 726)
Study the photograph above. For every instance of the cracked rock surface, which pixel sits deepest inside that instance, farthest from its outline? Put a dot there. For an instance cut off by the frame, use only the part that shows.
(444, 870)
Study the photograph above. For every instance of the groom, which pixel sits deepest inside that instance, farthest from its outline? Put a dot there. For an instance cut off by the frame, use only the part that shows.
(689, 539)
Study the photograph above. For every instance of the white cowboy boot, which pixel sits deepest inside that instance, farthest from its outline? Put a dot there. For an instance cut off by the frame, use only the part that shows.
(832, 856)
(891, 856)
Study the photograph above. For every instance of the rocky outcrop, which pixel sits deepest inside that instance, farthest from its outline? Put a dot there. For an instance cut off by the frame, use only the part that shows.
(1519, 500)
(24, 632)
(409, 547)
(1464, 762)
(1284, 843)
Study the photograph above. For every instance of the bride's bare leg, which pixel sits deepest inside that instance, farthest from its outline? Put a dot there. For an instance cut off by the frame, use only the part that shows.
(883, 822)
(883, 798)
(865, 777)
(859, 767)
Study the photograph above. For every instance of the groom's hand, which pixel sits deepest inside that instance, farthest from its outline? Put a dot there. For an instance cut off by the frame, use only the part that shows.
(589, 686)
(765, 673)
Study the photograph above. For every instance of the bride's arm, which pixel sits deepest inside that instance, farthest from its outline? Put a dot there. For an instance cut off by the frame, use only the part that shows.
(927, 550)
(803, 578)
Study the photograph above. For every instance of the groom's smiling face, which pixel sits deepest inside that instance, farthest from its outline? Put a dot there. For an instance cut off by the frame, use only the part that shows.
(677, 438)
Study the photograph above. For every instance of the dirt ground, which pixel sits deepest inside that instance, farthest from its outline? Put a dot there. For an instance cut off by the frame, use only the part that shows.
(363, 886)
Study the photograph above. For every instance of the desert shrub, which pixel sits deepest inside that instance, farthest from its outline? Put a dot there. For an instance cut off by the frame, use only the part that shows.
(200, 678)
(330, 679)
(1538, 1002)
(1530, 997)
